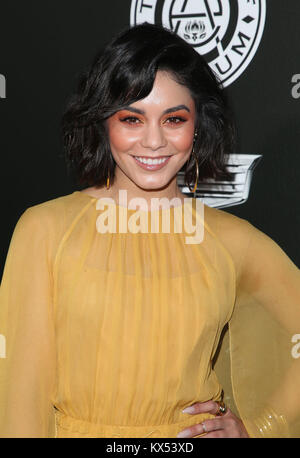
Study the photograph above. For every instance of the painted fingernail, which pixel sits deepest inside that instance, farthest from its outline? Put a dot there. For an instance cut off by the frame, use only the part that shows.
(182, 434)
(189, 409)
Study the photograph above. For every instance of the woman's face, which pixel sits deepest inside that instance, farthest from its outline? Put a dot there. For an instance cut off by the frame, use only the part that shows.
(159, 127)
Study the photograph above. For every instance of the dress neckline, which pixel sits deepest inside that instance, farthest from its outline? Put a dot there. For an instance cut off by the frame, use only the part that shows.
(134, 210)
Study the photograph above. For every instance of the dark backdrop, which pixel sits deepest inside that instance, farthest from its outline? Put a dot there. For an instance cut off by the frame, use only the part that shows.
(44, 46)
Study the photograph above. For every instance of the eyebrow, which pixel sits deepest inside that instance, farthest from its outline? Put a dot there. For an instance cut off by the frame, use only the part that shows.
(168, 110)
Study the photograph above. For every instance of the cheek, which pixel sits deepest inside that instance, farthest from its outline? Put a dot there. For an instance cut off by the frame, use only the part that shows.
(120, 139)
(183, 139)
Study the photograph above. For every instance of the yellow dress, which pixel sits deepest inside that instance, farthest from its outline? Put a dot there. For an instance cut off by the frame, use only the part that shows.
(113, 334)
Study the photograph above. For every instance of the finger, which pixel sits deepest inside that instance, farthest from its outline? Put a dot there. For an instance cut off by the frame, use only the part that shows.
(213, 425)
(204, 427)
(192, 431)
(220, 433)
(227, 427)
(203, 407)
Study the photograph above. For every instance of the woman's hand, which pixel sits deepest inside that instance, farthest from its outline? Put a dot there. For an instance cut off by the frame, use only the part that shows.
(226, 425)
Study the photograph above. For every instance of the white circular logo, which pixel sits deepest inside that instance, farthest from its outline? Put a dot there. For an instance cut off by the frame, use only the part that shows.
(225, 32)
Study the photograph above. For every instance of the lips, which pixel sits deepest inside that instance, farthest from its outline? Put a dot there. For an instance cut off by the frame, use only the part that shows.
(152, 167)
(151, 157)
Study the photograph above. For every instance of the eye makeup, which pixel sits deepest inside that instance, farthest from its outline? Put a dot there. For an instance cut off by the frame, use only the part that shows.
(175, 118)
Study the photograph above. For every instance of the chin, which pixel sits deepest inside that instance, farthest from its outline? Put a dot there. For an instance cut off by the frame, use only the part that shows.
(153, 186)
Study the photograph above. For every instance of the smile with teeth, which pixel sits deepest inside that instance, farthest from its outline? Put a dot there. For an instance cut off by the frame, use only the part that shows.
(151, 161)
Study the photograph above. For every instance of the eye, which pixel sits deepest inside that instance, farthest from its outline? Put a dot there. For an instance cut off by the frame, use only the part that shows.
(176, 119)
(129, 120)
(133, 120)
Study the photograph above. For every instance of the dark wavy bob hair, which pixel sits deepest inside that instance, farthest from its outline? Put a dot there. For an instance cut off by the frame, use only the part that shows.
(123, 73)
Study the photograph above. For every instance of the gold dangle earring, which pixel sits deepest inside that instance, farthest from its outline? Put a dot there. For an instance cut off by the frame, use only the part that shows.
(197, 167)
(107, 183)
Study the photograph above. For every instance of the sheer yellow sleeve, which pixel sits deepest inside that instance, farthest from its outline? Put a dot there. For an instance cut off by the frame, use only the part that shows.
(262, 344)
(27, 363)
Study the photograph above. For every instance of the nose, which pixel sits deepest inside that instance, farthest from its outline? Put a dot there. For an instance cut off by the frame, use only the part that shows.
(153, 137)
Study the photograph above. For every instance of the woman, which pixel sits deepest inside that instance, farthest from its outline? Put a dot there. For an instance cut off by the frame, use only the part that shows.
(115, 333)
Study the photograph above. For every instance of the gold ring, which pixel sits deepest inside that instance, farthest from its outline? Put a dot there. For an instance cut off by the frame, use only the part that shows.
(204, 427)
(222, 408)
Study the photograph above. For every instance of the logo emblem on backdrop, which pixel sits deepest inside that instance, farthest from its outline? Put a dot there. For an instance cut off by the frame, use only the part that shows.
(226, 32)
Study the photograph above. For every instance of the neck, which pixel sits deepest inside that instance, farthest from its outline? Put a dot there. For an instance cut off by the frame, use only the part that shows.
(129, 191)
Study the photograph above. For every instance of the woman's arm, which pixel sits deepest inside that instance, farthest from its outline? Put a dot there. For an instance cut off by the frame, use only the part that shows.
(27, 372)
(265, 374)
(261, 371)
